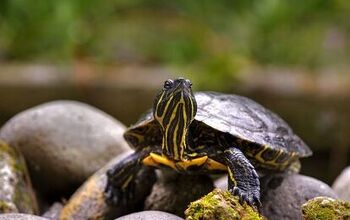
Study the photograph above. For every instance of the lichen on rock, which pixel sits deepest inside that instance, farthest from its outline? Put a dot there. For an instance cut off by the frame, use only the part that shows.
(324, 208)
(16, 192)
(220, 204)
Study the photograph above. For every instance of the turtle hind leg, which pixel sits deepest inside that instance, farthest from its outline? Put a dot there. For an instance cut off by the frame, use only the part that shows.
(243, 180)
(120, 188)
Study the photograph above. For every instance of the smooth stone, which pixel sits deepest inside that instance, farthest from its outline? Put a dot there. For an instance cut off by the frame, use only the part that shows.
(88, 202)
(64, 142)
(54, 211)
(173, 192)
(326, 208)
(150, 215)
(341, 184)
(282, 195)
(221, 182)
(221, 204)
(17, 216)
(16, 192)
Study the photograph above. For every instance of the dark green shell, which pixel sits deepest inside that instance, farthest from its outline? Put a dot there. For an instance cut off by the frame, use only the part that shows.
(238, 116)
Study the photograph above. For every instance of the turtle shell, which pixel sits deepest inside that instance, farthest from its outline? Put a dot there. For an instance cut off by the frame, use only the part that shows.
(232, 114)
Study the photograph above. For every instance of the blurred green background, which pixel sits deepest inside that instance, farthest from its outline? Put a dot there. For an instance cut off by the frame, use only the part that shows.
(291, 56)
(213, 38)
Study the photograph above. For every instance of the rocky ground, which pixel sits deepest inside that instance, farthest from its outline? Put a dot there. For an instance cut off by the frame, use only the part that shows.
(53, 162)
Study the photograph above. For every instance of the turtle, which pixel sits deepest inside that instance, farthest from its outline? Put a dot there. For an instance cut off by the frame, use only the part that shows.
(206, 132)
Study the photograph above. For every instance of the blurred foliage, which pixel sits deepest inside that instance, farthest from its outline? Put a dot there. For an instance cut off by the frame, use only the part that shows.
(211, 37)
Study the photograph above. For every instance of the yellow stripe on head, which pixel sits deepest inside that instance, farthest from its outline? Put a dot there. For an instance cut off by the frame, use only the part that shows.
(174, 109)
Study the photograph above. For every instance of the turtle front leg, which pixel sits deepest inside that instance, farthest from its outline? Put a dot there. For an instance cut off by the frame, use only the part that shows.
(120, 188)
(243, 180)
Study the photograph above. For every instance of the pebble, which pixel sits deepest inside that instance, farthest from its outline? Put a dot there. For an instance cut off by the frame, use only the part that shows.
(283, 195)
(16, 192)
(341, 184)
(17, 216)
(64, 142)
(173, 192)
(54, 211)
(150, 215)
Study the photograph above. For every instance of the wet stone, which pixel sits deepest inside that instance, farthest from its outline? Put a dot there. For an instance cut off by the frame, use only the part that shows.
(173, 192)
(150, 215)
(54, 211)
(64, 142)
(221, 183)
(16, 193)
(88, 202)
(283, 195)
(341, 184)
(15, 216)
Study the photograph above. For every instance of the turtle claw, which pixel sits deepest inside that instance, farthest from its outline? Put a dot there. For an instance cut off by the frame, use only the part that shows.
(119, 190)
(257, 202)
(112, 195)
(115, 195)
(251, 198)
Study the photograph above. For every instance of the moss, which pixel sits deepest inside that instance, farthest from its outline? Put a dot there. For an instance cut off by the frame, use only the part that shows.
(7, 207)
(323, 208)
(22, 196)
(16, 159)
(220, 205)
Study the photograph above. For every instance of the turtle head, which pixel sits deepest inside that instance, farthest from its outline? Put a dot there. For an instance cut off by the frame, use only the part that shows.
(174, 108)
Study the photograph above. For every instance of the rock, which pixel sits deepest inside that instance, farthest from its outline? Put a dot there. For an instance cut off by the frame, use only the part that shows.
(64, 142)
(342, 183)
(88, 202)
(221, 182)
(150, 215)
(326, 208)
(220, 204)
(173, 192)
(16, 193)
(54, 211)
(283, 195)
(15, 216)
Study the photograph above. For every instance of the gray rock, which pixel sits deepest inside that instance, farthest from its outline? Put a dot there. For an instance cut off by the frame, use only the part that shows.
(64, 142)
(221, 182)
(15, 216)
(173, 192)
(283, 195)
(150, 215)
(341, 184)
(16, 192)
(54, 211)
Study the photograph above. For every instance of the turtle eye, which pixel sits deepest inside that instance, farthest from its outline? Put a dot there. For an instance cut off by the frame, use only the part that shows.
(168, 84)
(189, 83)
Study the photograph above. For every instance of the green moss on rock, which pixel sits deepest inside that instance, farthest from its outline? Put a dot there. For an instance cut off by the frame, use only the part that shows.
(16, 193)
(7, 207)
(324, 208)
(220, 205)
